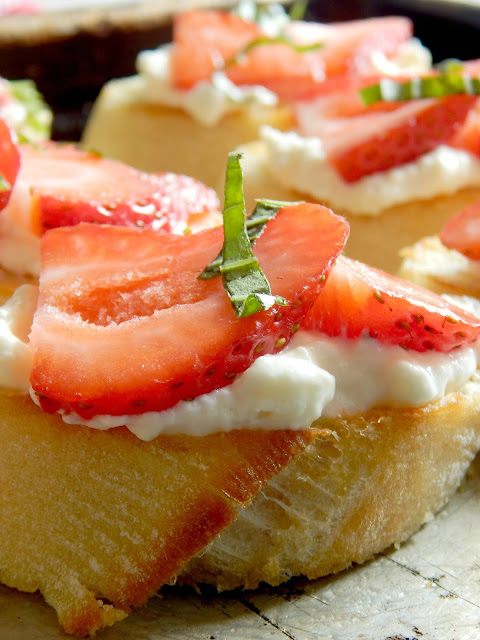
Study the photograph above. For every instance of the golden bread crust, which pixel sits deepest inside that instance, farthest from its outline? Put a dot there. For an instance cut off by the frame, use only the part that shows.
(99, 521)
(370, 484)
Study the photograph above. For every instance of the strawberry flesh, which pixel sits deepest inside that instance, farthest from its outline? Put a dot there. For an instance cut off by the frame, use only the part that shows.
(9, 162)
(70, 186)
(462, 232)
(124, 325)
(204, 41)
(435, 123)
(359, 300)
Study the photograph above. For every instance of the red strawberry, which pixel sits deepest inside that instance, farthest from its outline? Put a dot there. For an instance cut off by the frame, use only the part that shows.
(205, 40)
(468, 136)
(69, 186)
(360, 300)
(363, 140)
(125, 326)
(9, 162)
(11, 7)
(462, 232)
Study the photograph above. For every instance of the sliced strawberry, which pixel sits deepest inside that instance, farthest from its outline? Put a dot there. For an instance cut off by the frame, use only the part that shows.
(70, 186)
(363, 140)
(205, 40)
(468, 136)
(125, 326)
(9, 162)
(348, 46)
(359, 300)
(462, 232)
(12, 7)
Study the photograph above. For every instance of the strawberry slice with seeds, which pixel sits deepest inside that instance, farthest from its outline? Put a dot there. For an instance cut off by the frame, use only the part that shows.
(360, 141)
(462, 232)
(69, 186)
(206, 41)
(359, 300)
(127, 308)
(9, 162)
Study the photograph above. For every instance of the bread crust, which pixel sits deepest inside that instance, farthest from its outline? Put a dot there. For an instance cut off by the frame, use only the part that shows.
(371, 483)
(99, 521)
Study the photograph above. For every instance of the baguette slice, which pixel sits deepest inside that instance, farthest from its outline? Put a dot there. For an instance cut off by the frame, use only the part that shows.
(99, 521)
(375, 240)
(432, 265)
(154, 137)
(371, 483)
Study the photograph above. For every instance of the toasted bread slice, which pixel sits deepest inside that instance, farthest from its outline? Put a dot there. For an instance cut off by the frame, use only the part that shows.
(99, 521)
(431, 264)
(154, 137)
(372, 483)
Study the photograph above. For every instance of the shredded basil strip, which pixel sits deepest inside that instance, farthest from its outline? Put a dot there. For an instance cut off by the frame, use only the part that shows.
(264, 211)
(4, 184)
(261, 13)
(38, 120)
(445, 84)
(298, 10)
(450, 65)
(243, 279)
(269, 40)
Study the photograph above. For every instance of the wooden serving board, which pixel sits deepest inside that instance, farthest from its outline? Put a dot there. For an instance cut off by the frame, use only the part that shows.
(429, 589)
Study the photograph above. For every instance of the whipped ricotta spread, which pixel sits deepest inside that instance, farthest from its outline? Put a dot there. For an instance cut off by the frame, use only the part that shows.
(19, 237)
(314, 376)
(410, 57)
(16, 317)
(301, 163)
(207, 102)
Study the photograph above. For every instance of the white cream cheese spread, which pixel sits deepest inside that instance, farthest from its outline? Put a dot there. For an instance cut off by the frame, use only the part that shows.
(19, 239)
(301, 163)
(16, 317)
(207, 102)
(314, 376)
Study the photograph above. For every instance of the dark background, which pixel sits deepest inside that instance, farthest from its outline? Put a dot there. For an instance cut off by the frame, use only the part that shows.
(70, 70)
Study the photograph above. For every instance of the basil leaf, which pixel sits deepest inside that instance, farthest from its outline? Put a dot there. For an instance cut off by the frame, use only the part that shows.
(4, 184)
(264, 211)
(445, 84)
(298, 10)
(269, 40)
(38, 119)
(243, 279)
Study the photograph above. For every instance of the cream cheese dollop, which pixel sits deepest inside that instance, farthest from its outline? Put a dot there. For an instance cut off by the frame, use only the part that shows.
(315, 376)
(301, 163)
(207, 102)
(16, 317)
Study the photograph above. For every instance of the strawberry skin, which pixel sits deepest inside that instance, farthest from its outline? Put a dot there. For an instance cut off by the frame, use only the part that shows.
(124, 325)
(9, 162)
(70, 186)
(204, 41)
(462, 232)
(359, 300)
(435, 123)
